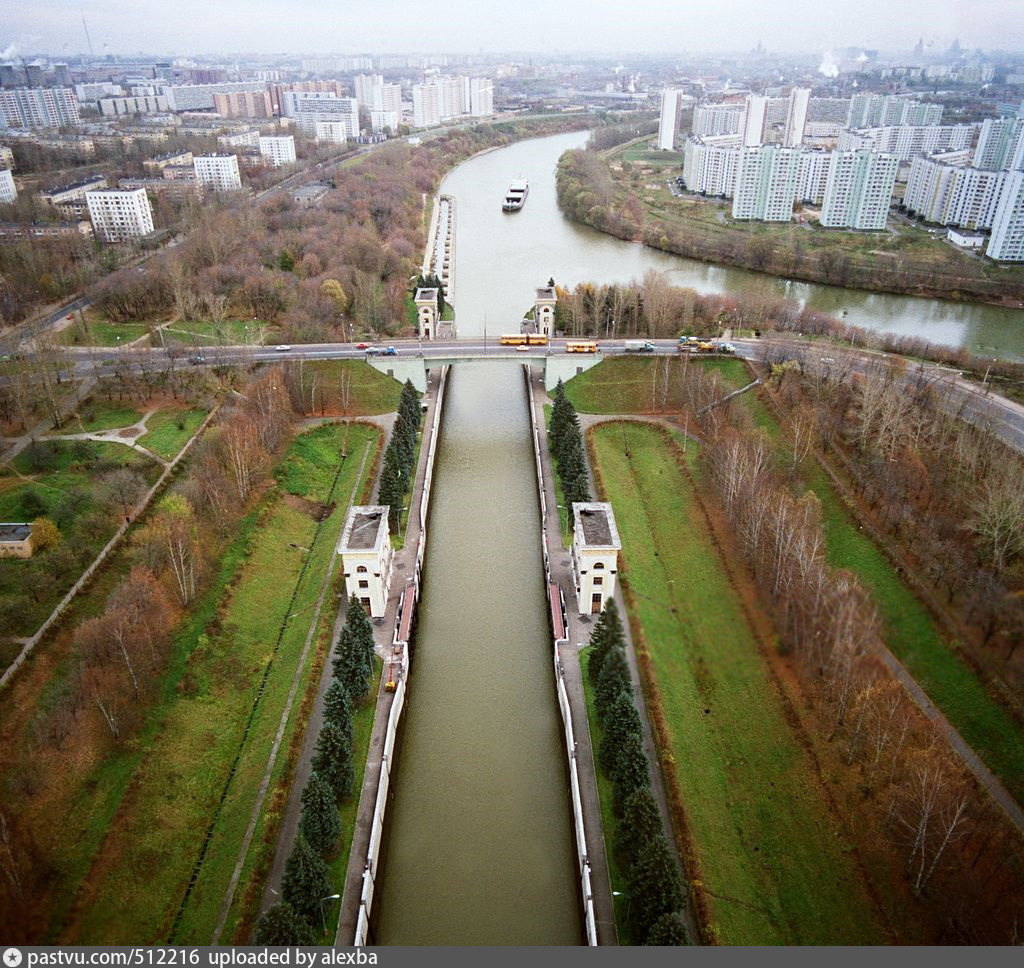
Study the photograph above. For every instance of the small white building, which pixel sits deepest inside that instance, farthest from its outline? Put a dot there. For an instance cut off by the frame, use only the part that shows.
(220, 172)
(366, 554)
(118, 216)
(15, 540)
(966, 240)
(595, 554)
(426, 313)
(278, 149)
(544, 311)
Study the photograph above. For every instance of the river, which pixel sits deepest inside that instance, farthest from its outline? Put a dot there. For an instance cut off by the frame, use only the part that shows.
(479, 835)
(501, 258)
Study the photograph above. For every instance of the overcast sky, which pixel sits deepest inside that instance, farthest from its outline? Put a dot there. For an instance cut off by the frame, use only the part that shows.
(311, 26)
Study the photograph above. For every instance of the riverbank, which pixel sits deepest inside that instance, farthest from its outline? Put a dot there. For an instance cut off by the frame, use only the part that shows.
(620, 199)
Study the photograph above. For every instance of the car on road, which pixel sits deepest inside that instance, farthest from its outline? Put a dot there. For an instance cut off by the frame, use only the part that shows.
(197, 359)
(390, 351)
(373, 351)
(523, 349)
(362, 346)
(282, 348)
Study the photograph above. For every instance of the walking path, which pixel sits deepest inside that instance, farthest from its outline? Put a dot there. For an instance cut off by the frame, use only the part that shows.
(119, 435)
(579, 629)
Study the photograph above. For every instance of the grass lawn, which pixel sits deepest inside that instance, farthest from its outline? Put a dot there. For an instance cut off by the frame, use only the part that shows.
(224, 718)
(165, 437)
(760, 827)
(231, 332)
(351, 388)
(57, 479)
(95, 414)
(103, 334)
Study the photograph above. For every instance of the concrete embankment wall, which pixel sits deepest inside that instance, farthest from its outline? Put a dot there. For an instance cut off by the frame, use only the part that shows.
(401, 663)
(582, 855)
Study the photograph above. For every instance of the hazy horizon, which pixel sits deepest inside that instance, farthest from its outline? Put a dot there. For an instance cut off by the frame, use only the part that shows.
(461, 26)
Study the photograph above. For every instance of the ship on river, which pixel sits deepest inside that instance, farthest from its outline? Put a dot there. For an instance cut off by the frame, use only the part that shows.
(515, 197)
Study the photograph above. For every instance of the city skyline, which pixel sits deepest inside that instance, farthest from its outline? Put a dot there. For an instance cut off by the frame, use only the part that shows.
(653, 26)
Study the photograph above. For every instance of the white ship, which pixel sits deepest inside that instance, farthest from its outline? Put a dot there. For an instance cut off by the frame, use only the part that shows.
(515, 197)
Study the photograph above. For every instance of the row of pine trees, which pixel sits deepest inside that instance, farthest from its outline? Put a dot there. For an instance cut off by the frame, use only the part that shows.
(566, 443)
(400, 457)
(654, 888)
(305, 884)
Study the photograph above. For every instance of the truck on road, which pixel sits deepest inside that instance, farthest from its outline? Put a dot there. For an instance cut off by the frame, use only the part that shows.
(638, 346)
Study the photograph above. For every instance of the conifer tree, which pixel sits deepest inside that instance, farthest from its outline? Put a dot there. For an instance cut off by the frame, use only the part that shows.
(305, 880)
(630, 771)
(333, 760)
(613, 681)
(338, 707)
(622, 721)
(281, 926)
(655, 887)
(641, 822)
(606, 635)
(668, 930)
(319, 822)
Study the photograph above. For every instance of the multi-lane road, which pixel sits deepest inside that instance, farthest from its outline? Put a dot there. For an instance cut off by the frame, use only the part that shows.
(1004, 417)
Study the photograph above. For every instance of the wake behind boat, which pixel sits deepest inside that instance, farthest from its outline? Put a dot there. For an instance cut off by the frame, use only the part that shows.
(515, 197)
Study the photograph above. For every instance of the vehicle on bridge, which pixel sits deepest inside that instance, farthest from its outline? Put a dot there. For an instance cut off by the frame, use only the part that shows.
(523, 339)
(390, 351)
(581, 346)
(638, 346)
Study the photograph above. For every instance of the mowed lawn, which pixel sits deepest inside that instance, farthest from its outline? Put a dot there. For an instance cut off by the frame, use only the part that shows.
(774, 866)
(142, 868)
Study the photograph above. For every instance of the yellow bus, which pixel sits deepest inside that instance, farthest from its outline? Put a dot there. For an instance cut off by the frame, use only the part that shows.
(581, 346)
(523, 339)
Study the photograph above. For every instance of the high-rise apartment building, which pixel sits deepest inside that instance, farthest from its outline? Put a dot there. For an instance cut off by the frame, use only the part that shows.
(906, 140)
(278, 149)
(244, 104)
(309, 109)
(710, 169)
(812, 176)
(114, 107)
(710, 120)
(766, 183)
(754, 121)
(1006, 244)
(859, 190)
(50, 107)
(481, 97)
(220, 172)
(200, 97)
(946, 194)
(829, 109)
(118, 216)
(8, 190)
(669, 119)
(382, 122)
(365, 86)
(796, 117)
(1000, 144)
(426, 105)
(881, 110)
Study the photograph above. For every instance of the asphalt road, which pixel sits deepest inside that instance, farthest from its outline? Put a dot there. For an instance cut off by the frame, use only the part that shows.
(1004, 417)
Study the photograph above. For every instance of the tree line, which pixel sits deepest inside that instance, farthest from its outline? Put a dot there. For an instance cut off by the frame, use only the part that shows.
(566, 444)
(654, 886)
(306, 884)
(399, 470)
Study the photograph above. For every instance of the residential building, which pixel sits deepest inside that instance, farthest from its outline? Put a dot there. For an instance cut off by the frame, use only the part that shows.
(220, 172)
(278, 149)
(365, 86)
(179, 172)
(481, 97)
(310, 108)
(812, 176)
(1000, 144)
(178, 188)
(334, 132)
(426, 106)
(669, 120)
(113, 107)
(341, 65)
(945, 194)
(716, 119)
(381, 121)
(278, 91)
(8, 190)
(119, 216)
(829, 109)
(366, 557)
(710, 169)
(905, 141)
(240, 139)
(70, 199)
(1006, 244)
(859, 190)
(34, 231)
(50, 107)
(200, 97)
(6, 157)
(766, 183)
(388, 97)
(882, 110)
(595, 555)
(796, 117)
(754, 121)
(244, 104)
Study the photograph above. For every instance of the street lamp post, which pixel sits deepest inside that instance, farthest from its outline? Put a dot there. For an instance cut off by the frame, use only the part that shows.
(330, 897)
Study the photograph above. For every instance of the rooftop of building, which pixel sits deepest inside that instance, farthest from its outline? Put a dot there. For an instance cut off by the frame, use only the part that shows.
(425, 294)
(307, 191)
(365, 529)
(14, 531)
(594, 524)
(547, 292)
(91, 180)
